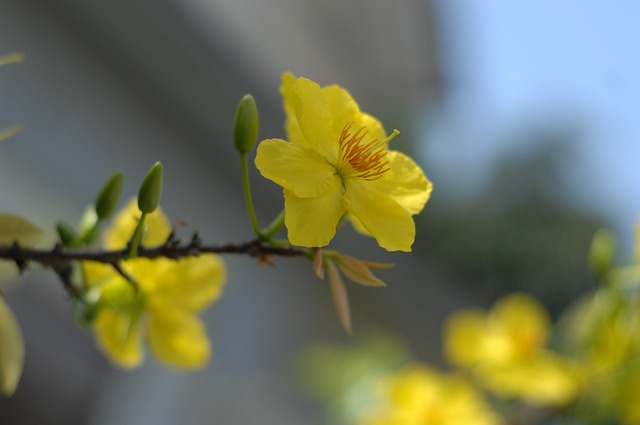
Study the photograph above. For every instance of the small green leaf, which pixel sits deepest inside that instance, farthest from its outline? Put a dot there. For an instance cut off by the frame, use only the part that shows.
(10, 131)
(68, 236)
(11, 350)
(17, 229)
(11, 58)
(89, 227)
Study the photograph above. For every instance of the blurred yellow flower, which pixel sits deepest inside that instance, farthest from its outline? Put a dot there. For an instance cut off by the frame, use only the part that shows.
(419, 395)
(336, 161)
(506, 350)
(163, 310)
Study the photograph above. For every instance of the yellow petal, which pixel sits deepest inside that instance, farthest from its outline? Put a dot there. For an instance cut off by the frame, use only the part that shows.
(546, 379)
(118, 337)
(294, 134)
(311, 222)
(190, 284)
(524, 318)
(17, 229)
(389, 223)
(314, 118)
(343, 109)
(463, 337)
(294, 167)
(179, 339)
(374, 127)
(11, 350)
(157, 227)
(404, 182)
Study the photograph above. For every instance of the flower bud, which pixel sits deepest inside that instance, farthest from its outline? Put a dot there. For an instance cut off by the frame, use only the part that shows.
(601, 252)
(109, 196)
(151, 189)
(245, 131)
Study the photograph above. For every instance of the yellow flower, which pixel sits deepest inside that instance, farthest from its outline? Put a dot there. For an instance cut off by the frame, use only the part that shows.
(335, 162)
(419, 395)
(163, 310)
(506, 349)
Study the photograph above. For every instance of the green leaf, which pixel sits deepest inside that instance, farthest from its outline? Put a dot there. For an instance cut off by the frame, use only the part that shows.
(17, 229)
(11, 350)
(10, 131)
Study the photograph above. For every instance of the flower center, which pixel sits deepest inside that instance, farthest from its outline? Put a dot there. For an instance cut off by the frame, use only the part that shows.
(368, 161)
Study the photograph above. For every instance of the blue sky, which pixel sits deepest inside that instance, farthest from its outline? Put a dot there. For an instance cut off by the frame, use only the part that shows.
(514, 63)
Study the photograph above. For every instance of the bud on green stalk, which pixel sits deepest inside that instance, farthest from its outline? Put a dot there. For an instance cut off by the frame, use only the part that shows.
(109, 196)
(68, 236)
(601, 252)
(245, 131)
(151, 189)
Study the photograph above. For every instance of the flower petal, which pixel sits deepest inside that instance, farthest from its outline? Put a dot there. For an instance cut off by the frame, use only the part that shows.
(294, 167)
(388, 222)
(179, 339)
(342, 106)
(312, 222)
(314, 118)
(375, 130)
(157, 227)
(294, 134)
(404, 182)
(118, 337)
(189, 284)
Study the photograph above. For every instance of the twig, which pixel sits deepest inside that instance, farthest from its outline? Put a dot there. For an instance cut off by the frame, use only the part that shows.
(60, 259)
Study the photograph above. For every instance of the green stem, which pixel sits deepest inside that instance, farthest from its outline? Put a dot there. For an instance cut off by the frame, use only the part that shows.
(275, 225)
(137, 236)
(247, 196)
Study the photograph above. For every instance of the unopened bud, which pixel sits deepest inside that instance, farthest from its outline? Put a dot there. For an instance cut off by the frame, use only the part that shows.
(109, 196)
(245, 131)
(151, 189)
(601, 252)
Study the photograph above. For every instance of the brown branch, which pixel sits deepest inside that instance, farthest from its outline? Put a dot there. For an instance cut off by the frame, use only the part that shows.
(60, 259)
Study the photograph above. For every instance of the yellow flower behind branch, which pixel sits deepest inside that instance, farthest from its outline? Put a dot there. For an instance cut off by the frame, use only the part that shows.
(162, 308)
(506, 350)
(336, 161)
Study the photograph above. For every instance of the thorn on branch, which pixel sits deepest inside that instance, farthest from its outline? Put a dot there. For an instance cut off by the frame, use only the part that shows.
(128, 278)
(196, 241)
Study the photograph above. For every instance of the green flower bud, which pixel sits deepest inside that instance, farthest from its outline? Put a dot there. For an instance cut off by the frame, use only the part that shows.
(109, 196)
(601, 252)
(151, 189)
(68, 236)
(245, 131)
